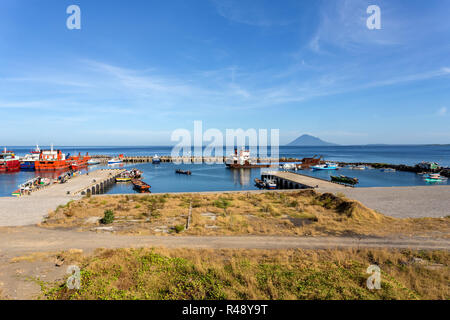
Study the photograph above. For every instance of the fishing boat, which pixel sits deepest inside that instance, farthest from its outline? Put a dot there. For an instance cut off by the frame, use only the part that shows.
(327, 166)
(345, 180)
(127, 176)
(78, 162)
(243, 161)
(93, 162)
(140, 185)
(259, 183)
(9, 162)
(187, 172)
(434, 177)
(270, 184)
(360, 167)
(116, 160)
(51, 160)
(123, 179)
(388, 170)
(156, 159)
(29, 160)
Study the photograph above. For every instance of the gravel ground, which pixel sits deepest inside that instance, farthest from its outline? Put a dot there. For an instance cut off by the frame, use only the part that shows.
(403, 202)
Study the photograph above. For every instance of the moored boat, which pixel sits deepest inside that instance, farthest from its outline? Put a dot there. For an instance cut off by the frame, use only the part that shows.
(93, 162)
(243, 161)
(29, 160)
(327, 166)
(127, 176)
(9, 162)
(259, 183)
(116, 160)
(345, 180)
(434, 177)
(51, 160)
(270, 184)
(187, 172)
(78, 162)
(140, 185)
(156, 159)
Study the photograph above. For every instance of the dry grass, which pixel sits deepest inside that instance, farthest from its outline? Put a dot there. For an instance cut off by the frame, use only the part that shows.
(256, 274)
(288, 213)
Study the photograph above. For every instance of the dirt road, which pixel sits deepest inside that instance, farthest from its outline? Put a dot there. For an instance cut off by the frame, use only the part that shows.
(16, 241)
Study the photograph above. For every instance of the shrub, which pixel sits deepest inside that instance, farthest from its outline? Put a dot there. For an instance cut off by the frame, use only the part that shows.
(179, 228)
(108, 217)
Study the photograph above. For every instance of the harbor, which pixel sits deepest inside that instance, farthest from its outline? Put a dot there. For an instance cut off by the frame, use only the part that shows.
(236, 172)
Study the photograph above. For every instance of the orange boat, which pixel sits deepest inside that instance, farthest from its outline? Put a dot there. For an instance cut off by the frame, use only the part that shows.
(77, 162)
(50, 160)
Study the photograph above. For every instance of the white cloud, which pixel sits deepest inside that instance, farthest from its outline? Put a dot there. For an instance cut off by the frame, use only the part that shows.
(442, 111)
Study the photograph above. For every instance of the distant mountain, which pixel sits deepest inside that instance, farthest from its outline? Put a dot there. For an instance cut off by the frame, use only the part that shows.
(309, 141)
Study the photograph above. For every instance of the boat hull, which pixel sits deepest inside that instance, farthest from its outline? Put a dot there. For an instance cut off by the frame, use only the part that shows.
(27, 165)
(52, 165)
(9, 166)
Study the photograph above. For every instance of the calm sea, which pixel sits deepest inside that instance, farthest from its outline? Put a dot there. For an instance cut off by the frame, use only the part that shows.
(204, 177)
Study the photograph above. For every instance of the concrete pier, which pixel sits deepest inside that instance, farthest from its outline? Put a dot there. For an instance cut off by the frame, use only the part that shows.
(291, 180)
(31, 209)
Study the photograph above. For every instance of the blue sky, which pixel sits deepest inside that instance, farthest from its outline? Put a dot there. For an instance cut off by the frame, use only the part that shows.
(137, 70)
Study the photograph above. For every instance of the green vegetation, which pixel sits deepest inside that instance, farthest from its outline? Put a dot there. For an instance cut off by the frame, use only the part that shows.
(256, 274)
(108, 217)
(179, 228)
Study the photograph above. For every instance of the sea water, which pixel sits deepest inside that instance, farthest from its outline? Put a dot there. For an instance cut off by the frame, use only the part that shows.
(217, 177)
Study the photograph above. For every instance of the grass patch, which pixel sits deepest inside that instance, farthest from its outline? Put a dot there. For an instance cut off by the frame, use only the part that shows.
(270, 213)
(108, 217)
(184, 274)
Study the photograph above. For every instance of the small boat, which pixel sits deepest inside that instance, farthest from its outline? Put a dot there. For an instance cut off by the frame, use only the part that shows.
(129, 175)
(123, 179)
(388, 170)
(361, 167)
(117, 160)
(9, 161)
(156, 159)
(327, 166)
(16, 193)
(259, 183)
(93, 162)
(434, 177)
(345, 180)
(179, 171)
(28, 162)
(270, 184)
(140, 185)
(114, 161)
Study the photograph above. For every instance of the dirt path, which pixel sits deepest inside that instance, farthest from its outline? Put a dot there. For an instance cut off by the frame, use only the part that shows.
(16, 241)
(18, 277)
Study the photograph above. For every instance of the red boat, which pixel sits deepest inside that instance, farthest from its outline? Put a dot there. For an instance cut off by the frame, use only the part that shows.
(140, 185)
(78, 162)
(50, 160)
(9, 162)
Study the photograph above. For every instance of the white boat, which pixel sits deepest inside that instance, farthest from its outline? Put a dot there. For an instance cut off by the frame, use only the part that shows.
(328, 166)
(270, 184)
(117, 160)
(361, 167)
(156, 159)
(93, 161)
(288, 166)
